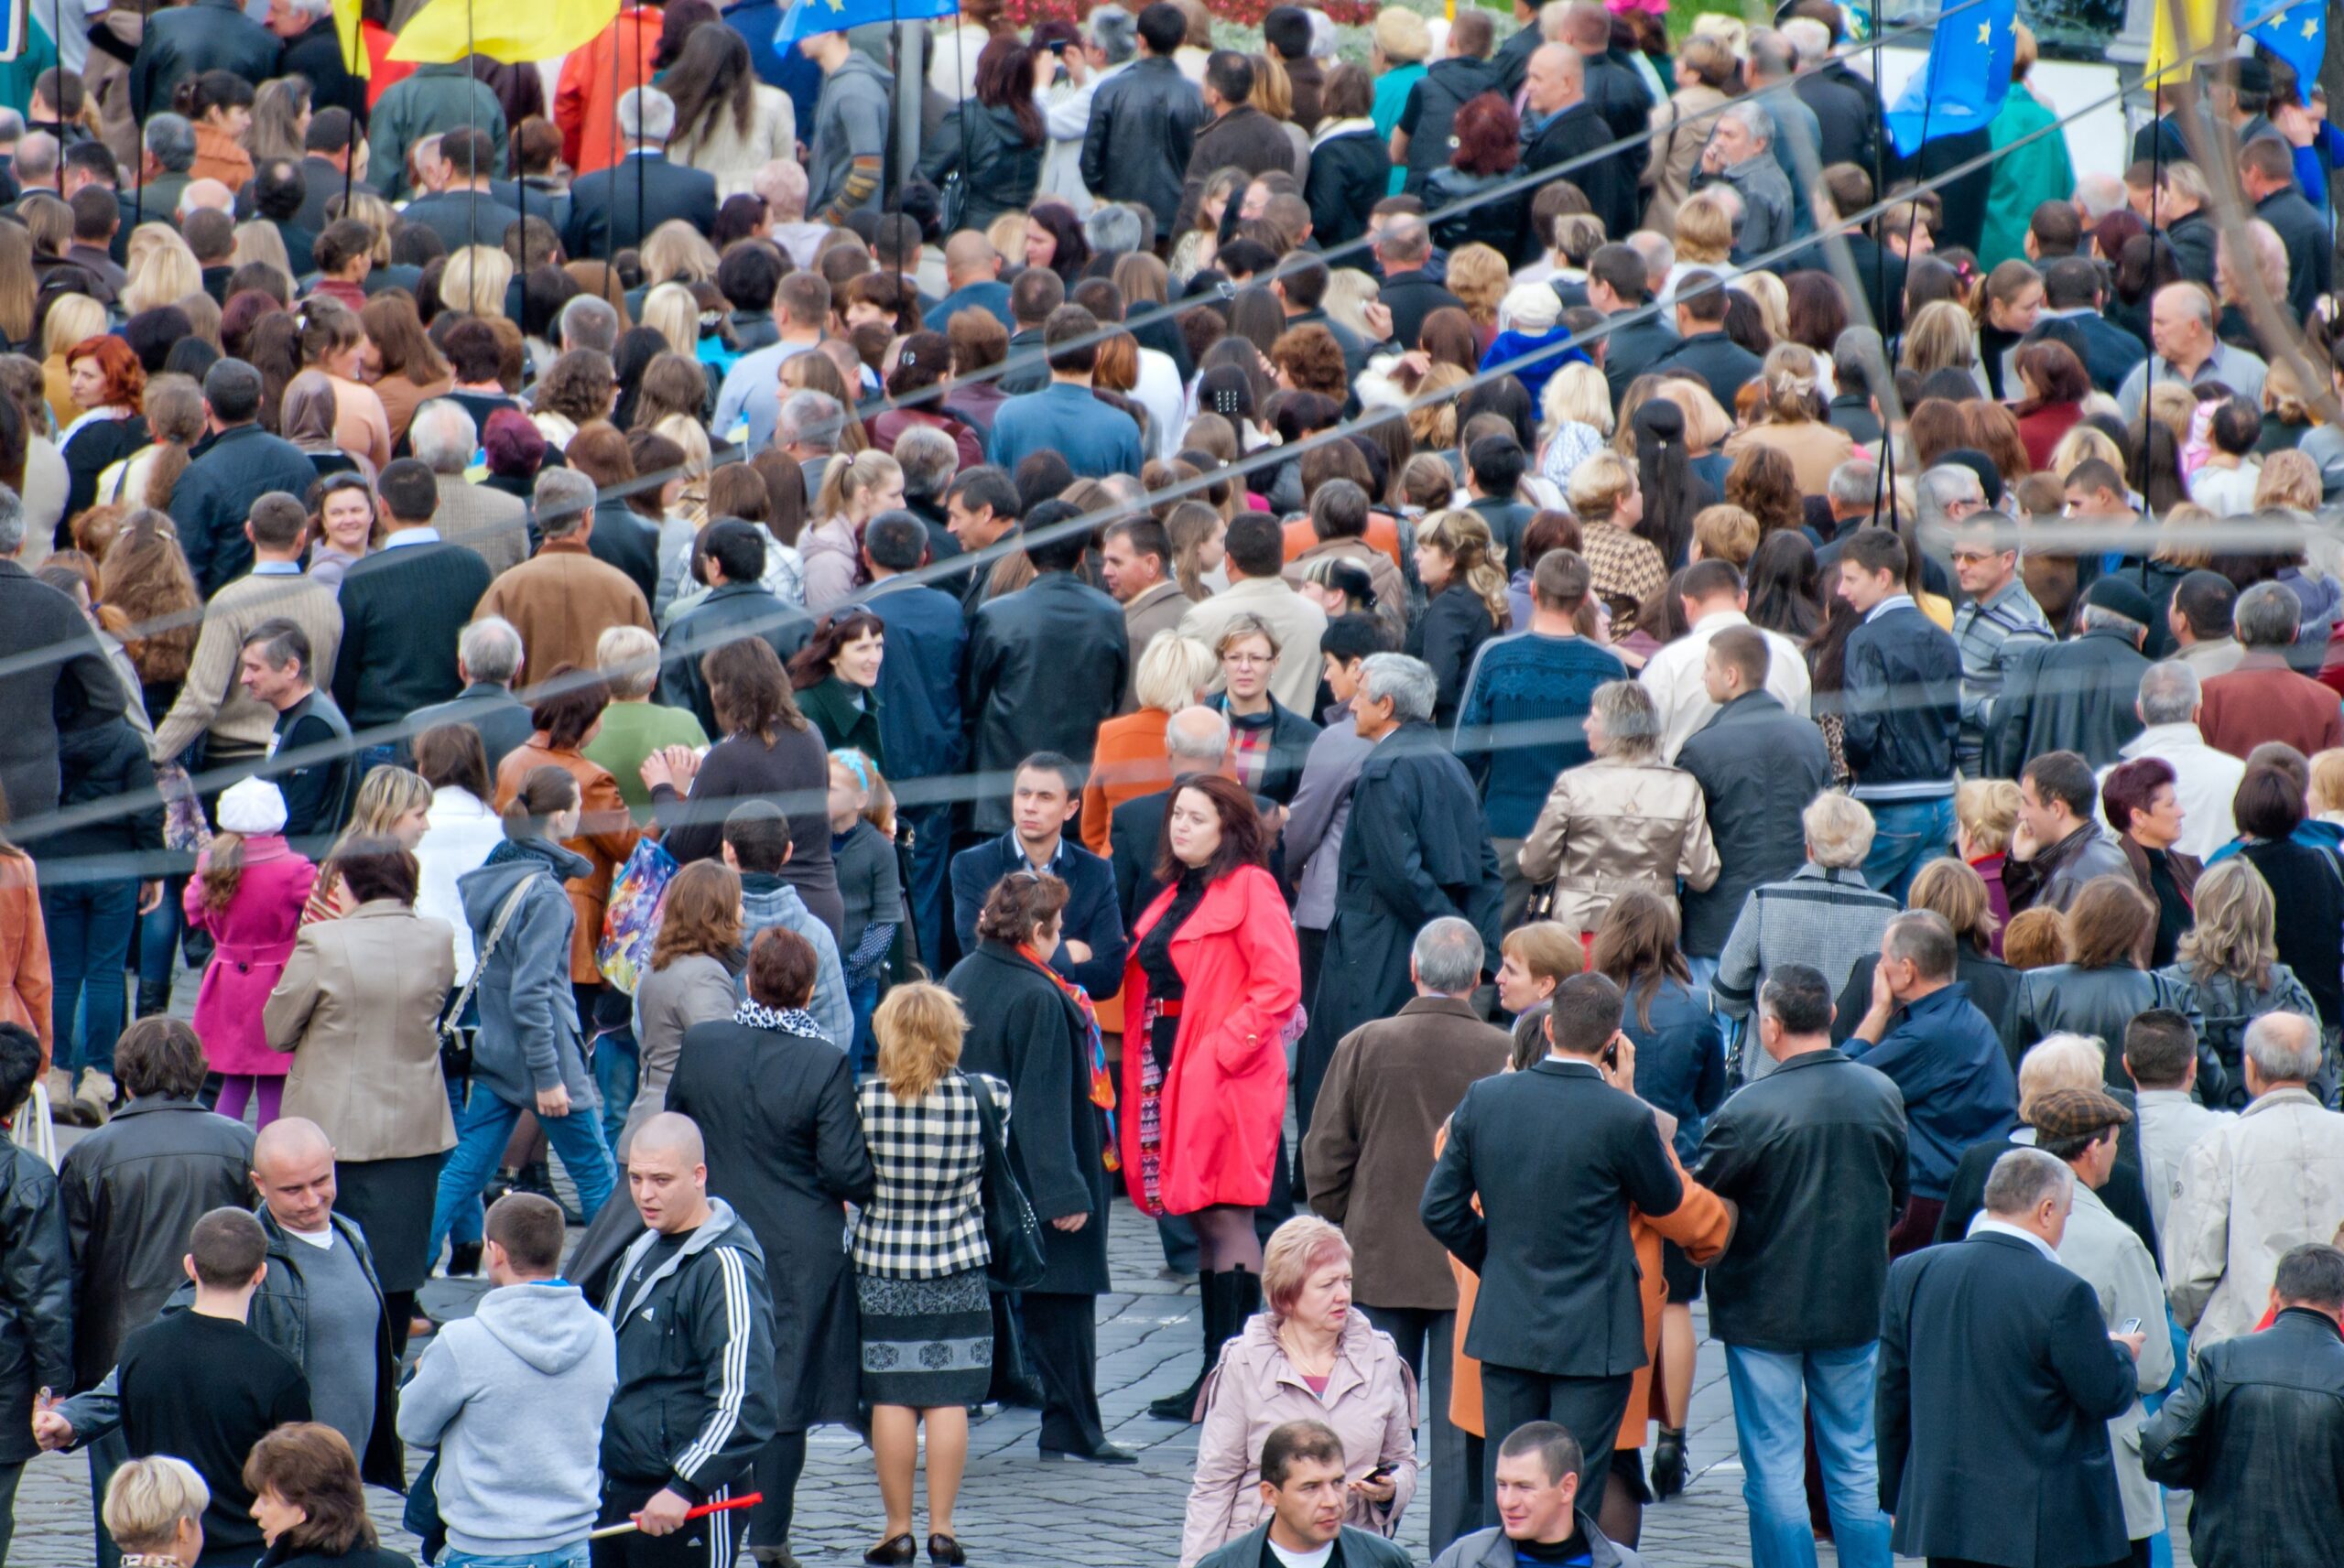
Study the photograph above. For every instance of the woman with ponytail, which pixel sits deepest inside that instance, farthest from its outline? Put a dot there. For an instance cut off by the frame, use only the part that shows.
(1792, 418)
(529, 1052)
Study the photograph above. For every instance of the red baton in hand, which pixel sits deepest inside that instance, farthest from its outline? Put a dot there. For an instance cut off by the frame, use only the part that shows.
(700, 1513)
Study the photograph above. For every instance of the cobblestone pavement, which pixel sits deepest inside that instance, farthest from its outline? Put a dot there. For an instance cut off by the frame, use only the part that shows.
(1015, 1510)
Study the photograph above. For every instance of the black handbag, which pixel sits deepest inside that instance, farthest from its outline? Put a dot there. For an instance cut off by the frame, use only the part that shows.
(1012, 1233)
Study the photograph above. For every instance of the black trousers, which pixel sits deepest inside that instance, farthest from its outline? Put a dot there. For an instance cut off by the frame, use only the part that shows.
(1063, 1350)
(1453, 1492)
(778, 1466)
(711, 1542)
(1591, 1409)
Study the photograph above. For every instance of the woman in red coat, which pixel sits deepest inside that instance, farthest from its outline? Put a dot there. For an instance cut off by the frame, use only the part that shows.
(1212, 995)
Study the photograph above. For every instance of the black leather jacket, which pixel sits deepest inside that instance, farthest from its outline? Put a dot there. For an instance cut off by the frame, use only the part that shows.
(1144, 124)
(1813, 1155)
(2257, 1432)
(36, 1298)
(133, 1191)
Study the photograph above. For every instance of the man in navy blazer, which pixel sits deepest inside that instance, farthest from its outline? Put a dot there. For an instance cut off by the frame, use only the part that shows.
(1043, 799)
(613, 209)
(1997, 1380)
(1556, 1154)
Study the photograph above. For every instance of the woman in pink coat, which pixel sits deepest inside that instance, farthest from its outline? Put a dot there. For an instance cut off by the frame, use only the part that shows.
(1212, 995)
(248, 890)
(1311, 1357)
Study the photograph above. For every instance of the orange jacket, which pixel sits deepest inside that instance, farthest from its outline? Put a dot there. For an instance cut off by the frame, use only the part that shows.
(606, 835)
(586, 102)
(24, 951)
(1701, 1225)
(1127, 761)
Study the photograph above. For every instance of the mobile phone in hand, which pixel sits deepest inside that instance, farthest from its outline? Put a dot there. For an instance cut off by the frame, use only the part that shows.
(2132, 1325)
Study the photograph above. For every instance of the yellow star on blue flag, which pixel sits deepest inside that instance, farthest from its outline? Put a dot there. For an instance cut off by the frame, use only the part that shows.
(2297, 34)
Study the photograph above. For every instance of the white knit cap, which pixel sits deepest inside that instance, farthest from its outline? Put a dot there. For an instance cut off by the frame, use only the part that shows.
(252, 807)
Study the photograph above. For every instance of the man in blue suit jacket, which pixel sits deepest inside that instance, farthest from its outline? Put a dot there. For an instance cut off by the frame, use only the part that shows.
(613, 209)
(1043, 799)
(1997, 1380)
(919, 707)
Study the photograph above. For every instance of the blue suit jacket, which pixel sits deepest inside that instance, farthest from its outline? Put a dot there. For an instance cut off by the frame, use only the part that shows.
(1092, 913)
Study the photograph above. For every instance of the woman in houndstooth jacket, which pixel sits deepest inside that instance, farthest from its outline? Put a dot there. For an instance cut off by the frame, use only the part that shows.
(920, 1262)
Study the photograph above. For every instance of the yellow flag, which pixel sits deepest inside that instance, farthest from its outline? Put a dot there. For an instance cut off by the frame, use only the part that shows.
(444, 31)
(355, 57)
(2177, 55)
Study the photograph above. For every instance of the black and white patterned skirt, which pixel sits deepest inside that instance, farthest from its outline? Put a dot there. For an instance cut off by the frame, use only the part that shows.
(926, 1342)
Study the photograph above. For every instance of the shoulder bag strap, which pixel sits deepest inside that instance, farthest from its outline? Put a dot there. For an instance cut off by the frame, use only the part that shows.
(455, 1012)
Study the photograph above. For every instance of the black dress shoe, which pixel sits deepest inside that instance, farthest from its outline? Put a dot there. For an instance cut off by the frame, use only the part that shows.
(895, 1550)
(1105, 1453)
(948, 1553)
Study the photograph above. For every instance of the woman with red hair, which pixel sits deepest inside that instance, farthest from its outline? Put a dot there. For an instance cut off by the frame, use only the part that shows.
(1488, 138)
(1211, 992)
(107, 380)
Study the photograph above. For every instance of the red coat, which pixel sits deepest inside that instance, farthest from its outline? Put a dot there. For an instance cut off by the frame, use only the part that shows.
(1221, 1110)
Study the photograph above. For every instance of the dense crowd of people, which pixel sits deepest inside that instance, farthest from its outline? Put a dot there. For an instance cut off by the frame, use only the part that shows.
(1711, 706)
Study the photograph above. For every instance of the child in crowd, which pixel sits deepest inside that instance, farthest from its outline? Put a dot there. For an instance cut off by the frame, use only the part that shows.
(863, 843)
(248, 892)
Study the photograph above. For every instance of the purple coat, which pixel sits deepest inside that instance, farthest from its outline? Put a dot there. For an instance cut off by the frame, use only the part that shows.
(255, 934)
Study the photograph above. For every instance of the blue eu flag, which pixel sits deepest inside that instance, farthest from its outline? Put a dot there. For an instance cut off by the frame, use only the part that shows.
(805, 17)
(2297, 34)
(1967, 76)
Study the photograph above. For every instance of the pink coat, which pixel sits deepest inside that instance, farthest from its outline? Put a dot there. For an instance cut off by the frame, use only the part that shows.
(1220, 1112)
(1371, 1401)
(255, 934)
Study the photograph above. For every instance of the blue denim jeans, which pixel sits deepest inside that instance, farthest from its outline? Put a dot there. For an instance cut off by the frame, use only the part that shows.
(158, 935)
(1906, 836)
(862, 996)
(932, 828)
(1770, 1389)
(618, 1069)
(574, 1555)
(482, 1125)
(89, 926)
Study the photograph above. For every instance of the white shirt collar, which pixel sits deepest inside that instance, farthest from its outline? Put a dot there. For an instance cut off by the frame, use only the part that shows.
(1894, 601)
(1986, 1224)
(399, 538)
(321, 1239)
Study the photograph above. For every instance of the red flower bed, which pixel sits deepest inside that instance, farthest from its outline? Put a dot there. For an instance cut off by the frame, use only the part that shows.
(1024, 14)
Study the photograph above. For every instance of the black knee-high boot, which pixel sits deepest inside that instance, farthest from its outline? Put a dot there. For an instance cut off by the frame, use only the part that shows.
(1181, 1407)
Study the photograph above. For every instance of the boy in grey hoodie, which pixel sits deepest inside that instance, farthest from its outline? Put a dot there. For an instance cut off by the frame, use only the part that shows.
(513, 1398)
(847, 152)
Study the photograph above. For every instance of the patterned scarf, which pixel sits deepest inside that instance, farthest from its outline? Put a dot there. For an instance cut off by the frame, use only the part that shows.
(785, 1020)
(1103, 1085)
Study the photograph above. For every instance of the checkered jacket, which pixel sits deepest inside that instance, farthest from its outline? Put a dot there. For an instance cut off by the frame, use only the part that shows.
(926, 1220)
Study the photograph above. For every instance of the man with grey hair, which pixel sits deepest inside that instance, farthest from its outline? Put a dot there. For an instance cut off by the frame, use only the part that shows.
(808, 427)
(1772, 68)
(1142, 121)
(167, 152)
(1740, 156)
(611, 209)
(1401, 245)
(1109, 44)
(1113, 229)
(489, 658)
(1945, 1057)
(930, 457)
(1997, 620)
(563, 598)
(2204, 779)
(491, 524)
(1388, 1091)
(589, 322)
(2254, 1188)
(2262, 698)
(2185, 349)
(2070, 697)
(1415, 848)
(1998, 1376)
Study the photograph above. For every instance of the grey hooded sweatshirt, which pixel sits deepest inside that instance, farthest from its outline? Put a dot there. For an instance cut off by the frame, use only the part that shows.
(529, 1039)
(512, 1398)
(849, 117)
(766, 899)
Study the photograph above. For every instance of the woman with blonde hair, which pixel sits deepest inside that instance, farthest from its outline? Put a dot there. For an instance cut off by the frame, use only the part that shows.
(1626, 568)
(1197, 530)
(258, 240)
(1941, 336)
(1985, 813)
(392, 803)
(18, 293)
(1623, 820)
(1309, 1355)
(920, 1254)
(1464, 571)
(1792, 418)
(154, 1513)
(1575, 418)
(670, 310)
(2059, 1063)
(2228, 965)
(675, 251)
(1433, 419)
(2289, 479)
(854, 490)
(1704, 235)
(163, 273)
(1706, 425)
(1130, 759)
(474, 279)
(1479, 276)
(73, 319)
(281, 115)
